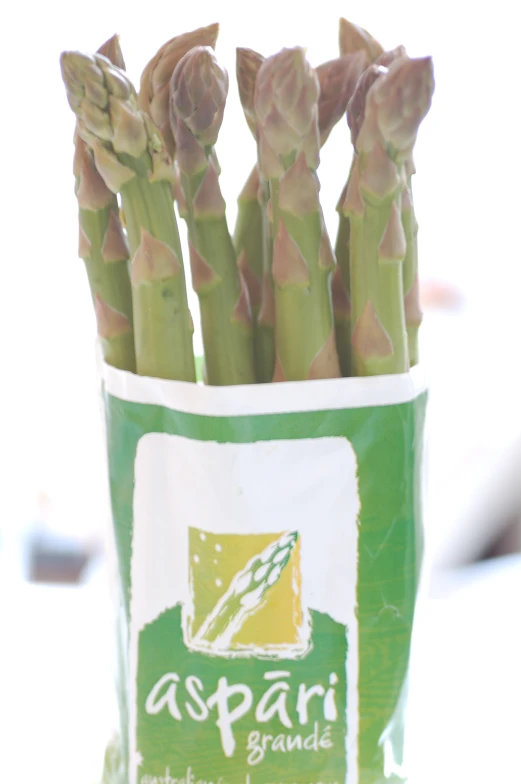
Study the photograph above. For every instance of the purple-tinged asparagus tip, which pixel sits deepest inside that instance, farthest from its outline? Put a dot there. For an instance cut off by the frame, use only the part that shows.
(111, 49)
(352, 38)
(198, 92)
(248, 63)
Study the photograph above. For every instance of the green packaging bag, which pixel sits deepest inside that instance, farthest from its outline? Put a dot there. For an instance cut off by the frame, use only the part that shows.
(269, 543)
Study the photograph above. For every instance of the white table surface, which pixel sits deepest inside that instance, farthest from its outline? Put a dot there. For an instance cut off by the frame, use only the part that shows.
(57, 706)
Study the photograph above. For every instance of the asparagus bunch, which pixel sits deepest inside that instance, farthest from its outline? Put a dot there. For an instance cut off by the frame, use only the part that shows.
(198, 92)
(274, 302)
(131, 157)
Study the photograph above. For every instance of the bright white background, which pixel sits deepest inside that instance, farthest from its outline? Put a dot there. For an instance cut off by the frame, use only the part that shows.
(468, 205)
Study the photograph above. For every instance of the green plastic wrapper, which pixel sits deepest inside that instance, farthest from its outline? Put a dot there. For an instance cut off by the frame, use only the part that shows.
(269, 543)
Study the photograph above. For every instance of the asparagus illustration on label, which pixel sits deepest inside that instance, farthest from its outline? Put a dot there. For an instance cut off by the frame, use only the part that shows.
(246, 593)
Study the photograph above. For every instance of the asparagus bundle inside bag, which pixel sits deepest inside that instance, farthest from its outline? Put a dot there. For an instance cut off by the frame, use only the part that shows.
(269, 540)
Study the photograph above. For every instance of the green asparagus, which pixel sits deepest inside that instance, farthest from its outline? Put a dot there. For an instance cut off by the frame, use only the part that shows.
(103, 248)
(384, 114)
(198, 93)
(130, 155)
(253, 230)
(155, 80)
(286, 107)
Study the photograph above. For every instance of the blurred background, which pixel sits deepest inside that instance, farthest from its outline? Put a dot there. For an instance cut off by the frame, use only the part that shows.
(56, 704)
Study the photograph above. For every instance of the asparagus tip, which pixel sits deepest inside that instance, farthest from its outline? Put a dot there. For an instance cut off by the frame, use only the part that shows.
(352, 38)
(248, 63)
(111, 49)
(198, 92)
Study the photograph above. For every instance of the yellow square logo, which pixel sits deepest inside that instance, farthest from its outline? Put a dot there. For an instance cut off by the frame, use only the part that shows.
(246, 595)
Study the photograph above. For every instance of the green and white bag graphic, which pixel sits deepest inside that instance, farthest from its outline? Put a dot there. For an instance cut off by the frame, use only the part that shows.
(269, 543)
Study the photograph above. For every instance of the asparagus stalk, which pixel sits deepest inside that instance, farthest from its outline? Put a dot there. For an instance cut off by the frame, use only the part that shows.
(130, 155)
(155, 80)
(246, 593)
(198, 93)
(384, 114)
(353, 40)
(411, 289)
(338, 79)
(253, 237)
(286, 106)
(104, 250)
(248, 240)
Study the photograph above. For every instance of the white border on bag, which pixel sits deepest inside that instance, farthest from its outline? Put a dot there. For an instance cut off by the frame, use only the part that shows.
(288, 397)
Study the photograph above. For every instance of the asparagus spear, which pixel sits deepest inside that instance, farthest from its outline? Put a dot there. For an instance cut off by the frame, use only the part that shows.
(286, 106)
(252, 238)
(352, 40)
(103, 248)
(155, 80)
(248, 240)
(338, 79)
(198, 93)
(411, 289)
(130, 155)
(246, 593)
(384, 113)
